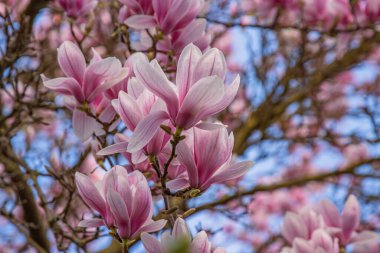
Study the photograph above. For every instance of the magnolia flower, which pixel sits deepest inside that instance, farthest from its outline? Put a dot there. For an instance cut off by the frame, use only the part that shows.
(307, 232)
(346, 222)
(200, 92)
(179, 240)
(132, 108)
(208, 158)
(320, 242)
(77, 8)
(81, 82)
(301, 225)
(169, 15)
(123, 200)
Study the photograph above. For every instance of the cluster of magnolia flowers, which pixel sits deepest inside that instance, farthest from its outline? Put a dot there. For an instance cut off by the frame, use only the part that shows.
(167, 135)
(321, 228)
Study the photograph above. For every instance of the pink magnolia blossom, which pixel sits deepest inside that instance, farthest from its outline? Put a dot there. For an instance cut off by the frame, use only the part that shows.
(169, 15)
(123, 200)
(207, 158)
(179, 240)
(323, 226)
(77, 8)
(200, 92)
(175, 21)
(372, 9)
(301, 225)
(347, 222)
(83, 82)
(321, 242)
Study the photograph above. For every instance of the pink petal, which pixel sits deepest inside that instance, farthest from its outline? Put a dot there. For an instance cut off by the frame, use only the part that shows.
(180, 230)
(109, 82)
(350, 217)
(177, 184)
(84, 126)
(152, 227)
(330, 213)
(129, 110)
(142, 206)
(135, 88)
(323, 240)
(65, 86)
(229, 95)
(191, 33)
(186, 64)
(119, 211)
(211, 63)
(203, 94)
(91, 223)
(90, 193)
(141, 22)
(95, 56)
(200, 243)
(210, 126)
(145, 130)
(233, 172)
(71, 61)
(302, 246)
(293, 227)
(157, 83)
(99, 71)
(108, 114)
(138, 157)
(151, 244)
(186, 158)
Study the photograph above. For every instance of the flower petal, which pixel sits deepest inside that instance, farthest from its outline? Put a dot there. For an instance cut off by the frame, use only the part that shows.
(211, 63)
(350, 217)
(141, 22)
(180, 230)
(146, 130)
(157, 83)
(119, 211)
(186, 64)
(200, 243)
(186, 158)
(151, 244)
(229, 95)
(65, 86)
(293, 227)
(90, 193)
(129, 110)
(191, 33)
(91, 223)
(84, 126)
(204, 93)
(234, 171)
(71, 60)
(152, 226)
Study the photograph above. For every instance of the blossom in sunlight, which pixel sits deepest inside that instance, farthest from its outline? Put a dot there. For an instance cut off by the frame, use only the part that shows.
(123, 200)
(179, 240)
(207, 158)
(200, 92)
